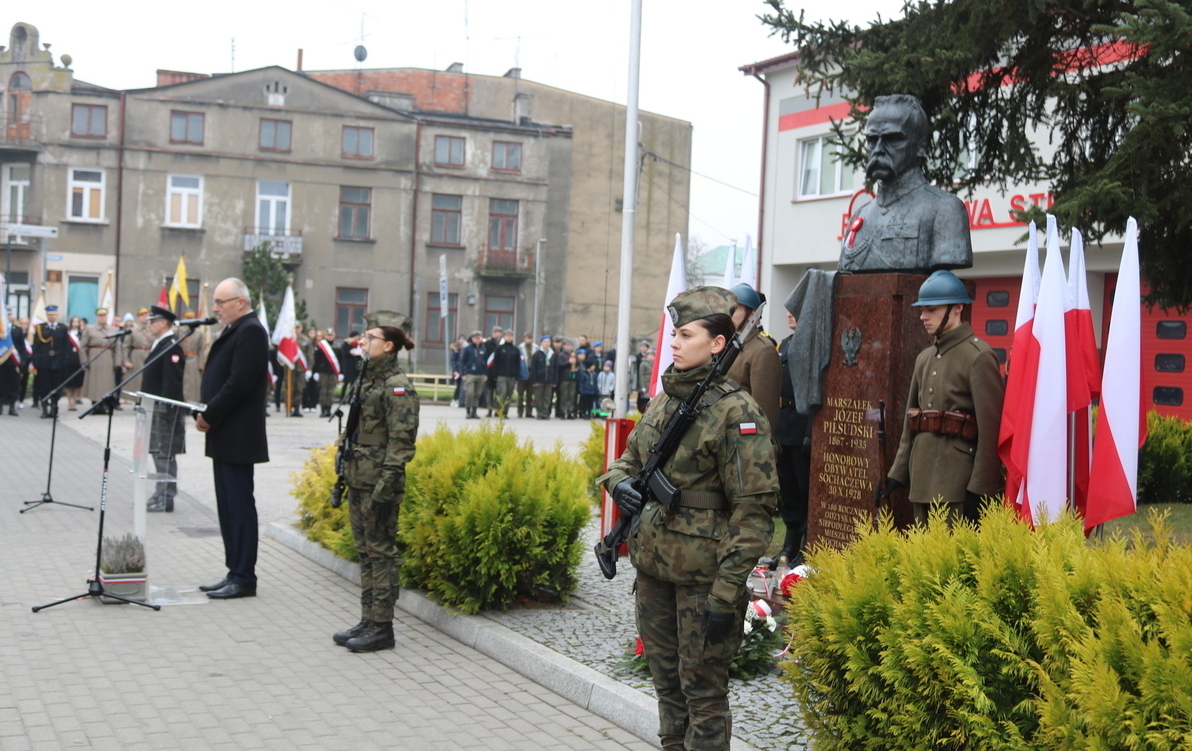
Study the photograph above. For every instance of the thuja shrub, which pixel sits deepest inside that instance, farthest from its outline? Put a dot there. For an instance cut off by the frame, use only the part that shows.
(1165, 461)
(327, 526)
(1002, 638)
(591, 455)
(487, 521)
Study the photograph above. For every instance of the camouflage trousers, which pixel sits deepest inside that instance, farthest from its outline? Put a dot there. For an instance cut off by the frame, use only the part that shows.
(690, 676)
(504, 394)
(376, 550)
(327, 383)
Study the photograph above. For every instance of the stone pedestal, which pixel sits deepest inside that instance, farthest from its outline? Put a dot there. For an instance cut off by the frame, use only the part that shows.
(875, 338)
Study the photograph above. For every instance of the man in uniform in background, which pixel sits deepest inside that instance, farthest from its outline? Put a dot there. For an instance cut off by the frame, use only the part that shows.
(101, 374)
(948, 451)
(192, 348)
(165, 377)
(758, 369)
(792, 433)
(327, 371)
(50, 345)
(136, 348)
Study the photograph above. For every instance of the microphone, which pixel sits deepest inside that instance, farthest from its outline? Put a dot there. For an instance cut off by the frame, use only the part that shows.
(199, 322)
(118, 334)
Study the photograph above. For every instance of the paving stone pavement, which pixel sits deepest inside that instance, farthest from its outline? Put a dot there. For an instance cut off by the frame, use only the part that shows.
(256, 673)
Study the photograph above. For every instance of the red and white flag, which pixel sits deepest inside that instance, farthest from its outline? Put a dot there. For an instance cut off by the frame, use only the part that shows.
(663, 357)
(261, 314)
(1084, 369)
(1121, 424)
(1014, 433)
(288, 351)
(1044, 491)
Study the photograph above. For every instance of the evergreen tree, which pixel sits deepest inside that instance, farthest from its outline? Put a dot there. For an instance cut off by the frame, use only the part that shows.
(1104, 86)
(265, 273)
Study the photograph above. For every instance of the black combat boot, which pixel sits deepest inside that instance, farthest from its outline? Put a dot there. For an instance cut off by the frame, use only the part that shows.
(790, 549)
(342, 637)
(376, 637)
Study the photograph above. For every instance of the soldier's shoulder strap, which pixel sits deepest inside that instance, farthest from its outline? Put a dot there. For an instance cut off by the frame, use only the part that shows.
(719, 391)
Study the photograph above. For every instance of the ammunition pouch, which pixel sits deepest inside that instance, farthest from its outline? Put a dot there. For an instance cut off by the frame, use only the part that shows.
(949, 423)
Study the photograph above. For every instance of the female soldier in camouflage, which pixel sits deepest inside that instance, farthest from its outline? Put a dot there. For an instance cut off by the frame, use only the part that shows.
(692, 561)
(375, 473)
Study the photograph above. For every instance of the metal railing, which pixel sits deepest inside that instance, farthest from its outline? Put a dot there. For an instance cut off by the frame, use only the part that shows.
(502, 262)
(282, 243)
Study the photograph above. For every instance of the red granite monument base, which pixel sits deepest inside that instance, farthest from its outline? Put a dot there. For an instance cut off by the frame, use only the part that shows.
(876, 335)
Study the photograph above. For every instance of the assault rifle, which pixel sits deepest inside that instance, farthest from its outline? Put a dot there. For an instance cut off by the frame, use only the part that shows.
(345, 439)
(651, 482)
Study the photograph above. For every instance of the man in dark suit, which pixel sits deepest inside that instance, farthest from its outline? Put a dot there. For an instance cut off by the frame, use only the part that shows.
(235, 387)
(50, 345)
(163, 377)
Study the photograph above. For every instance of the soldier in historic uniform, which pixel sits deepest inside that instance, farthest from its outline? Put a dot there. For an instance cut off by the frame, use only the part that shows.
(136, 348)
(51, 342)
(101, 374)
(692, 561)
(165, 377)
(375, 475)
(758, 369)
(948, 451)
(327, 370)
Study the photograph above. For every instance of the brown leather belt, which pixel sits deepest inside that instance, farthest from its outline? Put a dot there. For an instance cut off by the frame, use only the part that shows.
(949, 423)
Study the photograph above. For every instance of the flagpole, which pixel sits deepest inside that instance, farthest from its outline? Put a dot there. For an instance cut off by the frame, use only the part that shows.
(628, 214)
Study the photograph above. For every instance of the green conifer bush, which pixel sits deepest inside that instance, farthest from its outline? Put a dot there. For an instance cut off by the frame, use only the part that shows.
(1165, 461)
(487, 521)
(998, 638)
(312, 487)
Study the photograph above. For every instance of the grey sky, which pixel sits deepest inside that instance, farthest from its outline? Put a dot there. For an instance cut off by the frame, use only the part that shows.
(691, 50)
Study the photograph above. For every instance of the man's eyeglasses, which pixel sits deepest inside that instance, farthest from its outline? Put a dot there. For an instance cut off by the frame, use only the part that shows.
(221, 303)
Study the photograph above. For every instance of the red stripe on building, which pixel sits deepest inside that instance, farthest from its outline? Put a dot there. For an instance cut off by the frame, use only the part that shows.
(817, 116)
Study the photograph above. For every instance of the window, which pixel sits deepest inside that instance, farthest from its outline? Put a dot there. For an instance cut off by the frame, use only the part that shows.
(822, 172)
(446, 217)
(1169, 363)
(186, 127)
(18, 99)
(88, 121)
(1168, 396)
(498, 311)
(997, 298)
(184, 201)
(353, 212)
(449, 151)
(275, 135)
(273, 207)
(86, 195)
(507, 157)
(1000, 353)
(358, 142)
(1171, 329)
(435, 328)
(14, 202)
(997, 327)
(502, 224)
(350, 305)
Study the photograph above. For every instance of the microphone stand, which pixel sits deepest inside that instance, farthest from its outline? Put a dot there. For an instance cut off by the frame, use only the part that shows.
(95, 586)
(52, 396)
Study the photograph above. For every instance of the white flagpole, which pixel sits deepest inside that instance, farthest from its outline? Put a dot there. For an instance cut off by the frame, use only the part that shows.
(628, 214)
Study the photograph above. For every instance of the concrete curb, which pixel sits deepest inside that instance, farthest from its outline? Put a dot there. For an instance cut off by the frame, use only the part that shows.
(622, 705)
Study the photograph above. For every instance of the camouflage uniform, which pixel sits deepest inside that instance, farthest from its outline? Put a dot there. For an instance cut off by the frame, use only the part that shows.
(691, 559)
(375, 472)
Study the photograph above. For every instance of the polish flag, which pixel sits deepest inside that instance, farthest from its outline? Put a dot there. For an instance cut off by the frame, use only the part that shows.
(1014, 433)
(163, 298)
(288, 352)
(1121, 425)
(1044, 491)
(264, 317)
(1084, 370)
(663, 357)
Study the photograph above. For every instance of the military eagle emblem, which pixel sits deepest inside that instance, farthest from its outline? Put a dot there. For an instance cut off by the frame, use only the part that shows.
(850, 342)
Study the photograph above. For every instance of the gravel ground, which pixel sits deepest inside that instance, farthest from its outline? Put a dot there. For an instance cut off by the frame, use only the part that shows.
(597, 627)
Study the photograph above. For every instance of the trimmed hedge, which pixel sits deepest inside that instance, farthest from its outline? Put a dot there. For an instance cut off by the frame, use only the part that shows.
(484, 521)
(997, 638)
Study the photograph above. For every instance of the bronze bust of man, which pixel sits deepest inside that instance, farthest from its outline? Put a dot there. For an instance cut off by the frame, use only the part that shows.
(911, 225)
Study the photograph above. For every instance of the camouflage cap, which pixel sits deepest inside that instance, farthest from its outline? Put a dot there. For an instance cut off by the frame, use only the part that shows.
(700, 302)
(379, 318)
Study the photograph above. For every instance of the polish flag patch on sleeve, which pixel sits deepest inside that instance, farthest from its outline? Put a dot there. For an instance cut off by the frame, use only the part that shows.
(399, 391)
(749, 428)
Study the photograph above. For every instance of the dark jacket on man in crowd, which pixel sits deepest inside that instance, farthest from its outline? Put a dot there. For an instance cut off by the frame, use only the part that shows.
(506, 361)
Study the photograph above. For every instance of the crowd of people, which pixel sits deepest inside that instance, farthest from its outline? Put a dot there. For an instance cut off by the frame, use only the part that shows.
(555, 376)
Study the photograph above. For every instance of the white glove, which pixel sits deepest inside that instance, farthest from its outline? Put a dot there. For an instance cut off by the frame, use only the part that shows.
(339, 378)
(308, 375)
(316, 377)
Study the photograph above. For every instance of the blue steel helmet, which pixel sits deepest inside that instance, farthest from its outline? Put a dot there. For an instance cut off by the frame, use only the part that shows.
(942, 288)
(747, 296)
